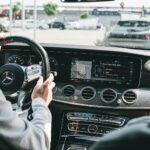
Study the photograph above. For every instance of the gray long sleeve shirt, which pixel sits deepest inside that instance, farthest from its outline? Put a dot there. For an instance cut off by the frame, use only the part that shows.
(24, 134)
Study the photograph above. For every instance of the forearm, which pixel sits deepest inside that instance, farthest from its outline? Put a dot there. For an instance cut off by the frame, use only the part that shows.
(22, 133)
(43, 119)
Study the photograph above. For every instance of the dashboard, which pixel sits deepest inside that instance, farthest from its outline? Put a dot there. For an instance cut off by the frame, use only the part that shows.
(101, 69)
(92, 78)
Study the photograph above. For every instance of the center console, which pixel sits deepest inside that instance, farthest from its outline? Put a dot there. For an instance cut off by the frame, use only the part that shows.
(79, 130)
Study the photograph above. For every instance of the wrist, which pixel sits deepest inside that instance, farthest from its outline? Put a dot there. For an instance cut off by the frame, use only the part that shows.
(38, 101)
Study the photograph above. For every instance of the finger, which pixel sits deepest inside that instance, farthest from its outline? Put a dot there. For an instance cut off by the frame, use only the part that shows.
(50, 98)
(49, 80)
(46, 93)
(51, 86)
(52, 76)
(40, 81)
(48, 89)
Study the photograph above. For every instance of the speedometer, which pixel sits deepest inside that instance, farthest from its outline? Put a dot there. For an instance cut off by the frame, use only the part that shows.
(16, 59)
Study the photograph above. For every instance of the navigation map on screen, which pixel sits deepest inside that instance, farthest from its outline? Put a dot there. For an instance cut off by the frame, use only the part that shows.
(81, 69)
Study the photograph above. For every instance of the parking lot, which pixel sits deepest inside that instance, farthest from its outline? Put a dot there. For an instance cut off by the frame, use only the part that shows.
(77, 37)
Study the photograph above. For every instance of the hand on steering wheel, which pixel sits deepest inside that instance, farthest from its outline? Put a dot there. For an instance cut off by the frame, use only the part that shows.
(15, 78)
(42, 89)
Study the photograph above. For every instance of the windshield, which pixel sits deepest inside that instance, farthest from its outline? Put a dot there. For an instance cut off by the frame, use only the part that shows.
(123, 23)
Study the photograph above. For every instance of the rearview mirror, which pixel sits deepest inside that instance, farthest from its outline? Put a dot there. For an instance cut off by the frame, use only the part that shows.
(85, 0)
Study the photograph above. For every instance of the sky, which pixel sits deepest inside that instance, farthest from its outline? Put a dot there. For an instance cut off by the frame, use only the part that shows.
(116, 3)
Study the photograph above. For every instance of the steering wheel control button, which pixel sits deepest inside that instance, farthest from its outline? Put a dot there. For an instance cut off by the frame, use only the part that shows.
(33, 72)
(11, 78)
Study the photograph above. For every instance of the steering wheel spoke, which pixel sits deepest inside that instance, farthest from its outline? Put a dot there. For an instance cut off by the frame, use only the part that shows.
(32, 72)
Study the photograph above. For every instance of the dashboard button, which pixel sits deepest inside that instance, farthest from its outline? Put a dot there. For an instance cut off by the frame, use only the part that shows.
(72, 126)
(92, 128)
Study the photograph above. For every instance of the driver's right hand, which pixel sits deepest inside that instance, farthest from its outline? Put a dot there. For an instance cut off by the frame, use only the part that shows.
(44, 89)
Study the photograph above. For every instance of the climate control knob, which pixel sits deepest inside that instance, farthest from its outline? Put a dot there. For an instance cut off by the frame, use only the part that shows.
(92, 128)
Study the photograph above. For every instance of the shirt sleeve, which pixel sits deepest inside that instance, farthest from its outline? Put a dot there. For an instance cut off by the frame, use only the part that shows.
(24, 134)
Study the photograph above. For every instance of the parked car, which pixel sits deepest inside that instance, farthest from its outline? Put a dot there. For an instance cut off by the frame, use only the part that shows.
(57, 24)
(130, 33)
(3, 28)
(86, 24)
(43, 26)
(17, 23)
(72, 25)
(4, 25)
(29, 24)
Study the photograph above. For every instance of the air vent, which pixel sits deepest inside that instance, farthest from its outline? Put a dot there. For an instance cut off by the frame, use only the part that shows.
(129, 97)
(68, 90)
(108, 95)
(88, 93)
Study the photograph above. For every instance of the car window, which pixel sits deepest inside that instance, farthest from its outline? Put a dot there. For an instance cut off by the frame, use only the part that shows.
(143, 24)
(89, 24)
(134, 23)
(126, 23)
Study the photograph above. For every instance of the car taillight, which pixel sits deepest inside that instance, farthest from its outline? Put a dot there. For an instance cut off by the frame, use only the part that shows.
(147, 36)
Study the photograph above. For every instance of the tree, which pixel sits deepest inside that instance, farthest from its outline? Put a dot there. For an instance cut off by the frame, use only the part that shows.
(84, 15)
(50, 9)
(16, 9)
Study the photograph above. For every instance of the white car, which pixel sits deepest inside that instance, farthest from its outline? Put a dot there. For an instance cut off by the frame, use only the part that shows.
(72, 25)
(29, 24)
(130, 33)
(86, 24)
(4, 25)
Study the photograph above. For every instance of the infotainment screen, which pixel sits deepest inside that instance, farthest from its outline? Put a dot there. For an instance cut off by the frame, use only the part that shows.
(109, 70)
(81, 69)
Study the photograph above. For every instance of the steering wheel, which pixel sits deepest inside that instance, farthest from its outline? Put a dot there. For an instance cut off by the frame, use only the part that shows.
(15, 78)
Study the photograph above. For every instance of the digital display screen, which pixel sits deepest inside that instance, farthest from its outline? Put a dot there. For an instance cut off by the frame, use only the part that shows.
(109, 71)
(81, 69)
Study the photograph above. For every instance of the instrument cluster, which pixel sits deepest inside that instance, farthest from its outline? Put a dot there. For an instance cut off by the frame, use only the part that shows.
(28, 59)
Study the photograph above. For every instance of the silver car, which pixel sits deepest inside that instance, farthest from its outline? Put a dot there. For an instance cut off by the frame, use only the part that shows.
(130, 33)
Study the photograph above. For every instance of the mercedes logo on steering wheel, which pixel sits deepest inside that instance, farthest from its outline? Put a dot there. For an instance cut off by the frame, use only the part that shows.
(6, 78)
